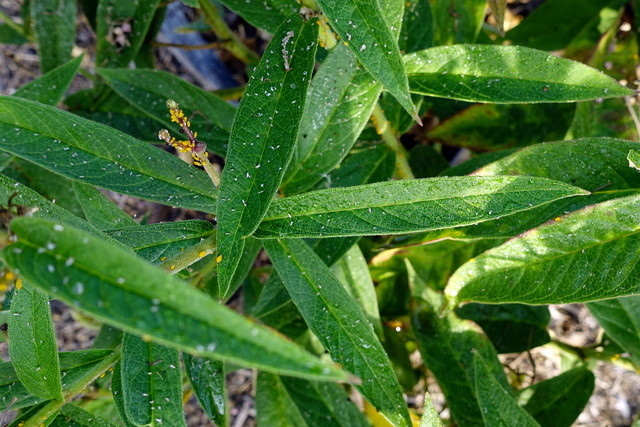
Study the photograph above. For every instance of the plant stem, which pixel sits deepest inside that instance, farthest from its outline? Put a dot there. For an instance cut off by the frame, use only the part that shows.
(632, 112)
(73, 390)
(214, 174)
(225, 35)
(384, 129)
(189, 256)
(15, 26)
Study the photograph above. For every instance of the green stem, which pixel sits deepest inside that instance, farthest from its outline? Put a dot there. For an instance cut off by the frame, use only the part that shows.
(225, 35)
(383, 128)
(189, 256)
(214, 174)
(15, 26)
(73, 390)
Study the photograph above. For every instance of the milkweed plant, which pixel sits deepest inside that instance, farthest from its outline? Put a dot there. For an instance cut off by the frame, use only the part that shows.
(394, 199)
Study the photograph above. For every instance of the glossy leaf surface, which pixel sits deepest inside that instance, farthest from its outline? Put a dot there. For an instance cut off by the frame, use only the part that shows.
(263, 137)
(135, 296)
(86, 151)
(339, 323)
(207, 378)
(400, 207)
(504, 74)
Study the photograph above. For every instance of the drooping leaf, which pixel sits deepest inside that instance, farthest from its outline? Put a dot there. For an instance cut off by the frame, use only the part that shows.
(562, 19)
(512, 328)
(148, 91)
(447, 345)
(340, 324)
(558, 401)
(99, 210)
(267, 14)
(32, 344)
(263, 138)
(89, 152)
(51, 87)
(620, 317)
(121, 27)
(400, 207)
(340, 101)
(55, 30)
(363, 26)
(207, 379)
(494, 126)
(502, 74)
(156, 242)
(499, 408)
(106, 281)
(151, 383)
(587, 255)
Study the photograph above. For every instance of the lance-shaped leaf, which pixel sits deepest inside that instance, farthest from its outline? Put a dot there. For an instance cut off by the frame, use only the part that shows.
(148, 91)
(340, 324)
(587, 255)
(447, 345)
(499, 408)
(32, 344)
(340, 101)
(51, 87)
(90, 152)
(362, 25)
(417, 27)
(274, 405)
(503, 74)
(263, 137)
(74, 416)
(118, 395)
(400, 207)
(151, 383)
(155, 242)
(54, 25)
(115, 287)
(458, 21)
(206, 377)
(99, 210)
(121, 28)
(558, 401)
(620, 317)
(268, 14)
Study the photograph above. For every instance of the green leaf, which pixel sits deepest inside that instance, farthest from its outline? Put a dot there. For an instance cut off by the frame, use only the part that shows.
(263, 138)
(207, 380)
(51, 87)
(558, 401)
(90, 152)
(353, 273)
(266, 14)
(122, 26)
(562, 20)
(446, 345)
(340, 325)
(430, 417)
(503, 74)
(99, 210)
(512, 328)
(151, 383)
(417, 27)
(362, 25)
(152, 242)
(133, 295)
(458, 21)
(73, 416)
(32, 344)
(634, 159)
(275, 309)
(340, 102)
(587, 255)
(498, 407)
(118, 398)
(148, 91)
(498, 8)
(55, 30)
(72, 364)
(9, 35)
(493, 126)
(620, 317)
(274, 405)
(400, 207)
